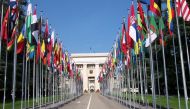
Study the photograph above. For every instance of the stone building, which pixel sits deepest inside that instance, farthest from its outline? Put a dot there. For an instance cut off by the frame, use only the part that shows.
(90, 65)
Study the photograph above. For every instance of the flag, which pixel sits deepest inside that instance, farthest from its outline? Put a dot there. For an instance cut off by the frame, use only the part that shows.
(155, 7)
(183, 9)
(13, 10)
(34, 28)
(142, 28)
(170, 16)
(133, 26)
(129, 39)
(4, 32)
(152, 35)
(43, 49)
(20, 40)
(123, 39)
(38, 51)
(28, 23)
(145, 1)
(13, 35)
(30, 51)
(46, 34)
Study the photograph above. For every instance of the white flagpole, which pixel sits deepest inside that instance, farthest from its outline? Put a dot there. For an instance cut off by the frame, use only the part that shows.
(5, 78)
(158, 77)
(14, 73)
(2, 11)
(23, 73)
(176, 73)
(34, 71)
(182, 61)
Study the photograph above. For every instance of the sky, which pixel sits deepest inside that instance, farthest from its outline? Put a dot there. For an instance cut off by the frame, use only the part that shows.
(85, 25)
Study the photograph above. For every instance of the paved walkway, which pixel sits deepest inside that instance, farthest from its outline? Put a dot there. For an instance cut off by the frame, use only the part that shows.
(93, 101)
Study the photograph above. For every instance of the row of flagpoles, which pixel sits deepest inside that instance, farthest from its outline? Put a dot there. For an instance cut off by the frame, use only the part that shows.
(55, 77)
(126, 67)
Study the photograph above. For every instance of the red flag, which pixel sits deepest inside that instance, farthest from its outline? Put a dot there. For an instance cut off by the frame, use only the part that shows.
(20, 47)
(129, 39)
(123, 39)
(4, 26)
(38, 51)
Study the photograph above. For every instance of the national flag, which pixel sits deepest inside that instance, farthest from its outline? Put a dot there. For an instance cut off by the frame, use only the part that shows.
(13, 35)
(46, 34)
(4, 32)
(133, 26)
(129, 39)
(155, 7)
(123, 39)
(170, 16)
(145, 1)
(28, 23)
(152, 35)
(142, 28)
(34, 28)
(29, 51)
(43, 49)
(13, 10)
(183, 9)
(21, 41)
(38, 51)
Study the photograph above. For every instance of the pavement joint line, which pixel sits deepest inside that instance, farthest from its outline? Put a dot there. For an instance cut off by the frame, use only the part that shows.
(88, 106)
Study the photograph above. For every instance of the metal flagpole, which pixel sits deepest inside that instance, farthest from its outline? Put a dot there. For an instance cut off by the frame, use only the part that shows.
(34, 82)
(158, 77)
(28, 82)
(23, 73)
(45, 83)
(129, 86)
(25, 88)
(40, 72)
(14, 73)
(152, 69)
(176, 73)
(42, 83)
(186, 44)
(182, 61)
(141, 82)
(164, 62)
(5, 78)
(2, 11)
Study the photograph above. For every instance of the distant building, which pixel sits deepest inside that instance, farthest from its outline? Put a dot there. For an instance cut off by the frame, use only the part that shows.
(89, 64)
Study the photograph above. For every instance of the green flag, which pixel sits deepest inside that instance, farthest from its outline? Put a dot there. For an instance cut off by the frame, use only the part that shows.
(28, 23)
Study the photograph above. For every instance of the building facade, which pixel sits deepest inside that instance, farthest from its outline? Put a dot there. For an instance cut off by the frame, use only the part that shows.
(90, 65)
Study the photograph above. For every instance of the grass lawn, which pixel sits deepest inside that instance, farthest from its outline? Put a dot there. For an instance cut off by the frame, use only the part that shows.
(8, 104)
(173, 101)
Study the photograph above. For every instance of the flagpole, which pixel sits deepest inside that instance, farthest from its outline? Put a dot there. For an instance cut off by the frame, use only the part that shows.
(176, 73)
(5, 77)
(14, 73)
(25, 88)
(187, 48)
(34, 82)
(45, 83)
(158, 77)
(23, 69)
(182, 61)
(28, 82)
(152, 69)
(2, 10)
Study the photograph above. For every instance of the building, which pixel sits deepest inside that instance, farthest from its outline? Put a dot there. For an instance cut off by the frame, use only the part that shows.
(89, 64)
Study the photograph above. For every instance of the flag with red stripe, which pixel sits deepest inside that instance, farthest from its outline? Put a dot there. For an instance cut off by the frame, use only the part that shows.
(183, 9)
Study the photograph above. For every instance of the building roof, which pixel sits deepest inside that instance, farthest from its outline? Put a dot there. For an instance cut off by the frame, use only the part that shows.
(79, 55)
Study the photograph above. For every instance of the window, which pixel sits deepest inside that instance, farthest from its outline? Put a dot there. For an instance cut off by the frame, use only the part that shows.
(91, 66)
(100, 65)
(91, 71)
(79, 66)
